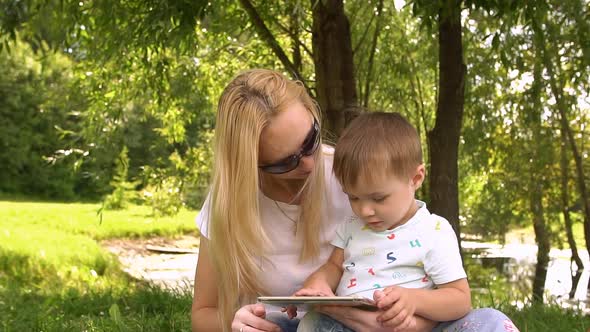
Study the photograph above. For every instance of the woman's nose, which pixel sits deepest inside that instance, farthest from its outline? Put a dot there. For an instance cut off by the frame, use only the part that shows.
(306, 163)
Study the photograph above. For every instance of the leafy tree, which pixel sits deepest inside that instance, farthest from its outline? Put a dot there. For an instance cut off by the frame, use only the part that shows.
(511, 130)
(31, 114)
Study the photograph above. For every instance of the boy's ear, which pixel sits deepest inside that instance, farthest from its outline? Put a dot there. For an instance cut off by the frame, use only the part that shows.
(419, 176)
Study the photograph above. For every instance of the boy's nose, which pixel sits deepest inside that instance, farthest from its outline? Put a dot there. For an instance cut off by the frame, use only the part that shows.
(366, 210)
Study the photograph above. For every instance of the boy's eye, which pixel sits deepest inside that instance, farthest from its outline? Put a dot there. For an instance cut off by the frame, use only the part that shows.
(352, 198)
(379, 199)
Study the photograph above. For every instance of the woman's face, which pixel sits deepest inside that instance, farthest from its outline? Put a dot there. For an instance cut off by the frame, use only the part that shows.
(288, 134)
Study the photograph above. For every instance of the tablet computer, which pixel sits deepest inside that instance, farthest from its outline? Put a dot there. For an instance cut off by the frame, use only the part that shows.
(283, 301)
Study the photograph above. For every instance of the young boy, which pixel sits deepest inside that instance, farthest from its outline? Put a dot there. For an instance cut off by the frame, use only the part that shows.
(395, 246)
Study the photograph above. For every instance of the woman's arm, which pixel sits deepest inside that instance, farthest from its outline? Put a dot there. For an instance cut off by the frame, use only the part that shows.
(204, 312)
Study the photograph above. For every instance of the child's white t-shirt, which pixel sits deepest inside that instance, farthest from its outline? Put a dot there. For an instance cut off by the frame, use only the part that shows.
(283, 274)
(421, 253)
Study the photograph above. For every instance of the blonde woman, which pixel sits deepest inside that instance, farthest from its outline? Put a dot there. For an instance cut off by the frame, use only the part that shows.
(273, 208)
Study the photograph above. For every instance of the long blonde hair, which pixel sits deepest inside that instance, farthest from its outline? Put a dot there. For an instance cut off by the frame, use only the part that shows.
(237, 239)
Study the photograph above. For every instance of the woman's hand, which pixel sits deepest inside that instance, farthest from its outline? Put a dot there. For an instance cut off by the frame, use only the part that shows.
(398, 306)
(362, 320)
(250, 318)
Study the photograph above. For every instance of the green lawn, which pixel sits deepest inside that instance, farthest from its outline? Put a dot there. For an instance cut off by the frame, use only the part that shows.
(55, 276)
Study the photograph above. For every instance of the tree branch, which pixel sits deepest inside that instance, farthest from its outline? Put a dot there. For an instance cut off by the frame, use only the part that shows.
(294, 37)
(378, 21)
(360, 42)
(268, 37)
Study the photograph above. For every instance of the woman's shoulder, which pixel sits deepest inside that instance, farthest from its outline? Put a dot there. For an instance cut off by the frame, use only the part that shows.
(328, 150)
(328, 155)
(333, 187)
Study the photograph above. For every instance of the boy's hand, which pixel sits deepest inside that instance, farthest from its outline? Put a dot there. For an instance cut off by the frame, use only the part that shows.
(314, 291)
(308, 291)
(398, 306)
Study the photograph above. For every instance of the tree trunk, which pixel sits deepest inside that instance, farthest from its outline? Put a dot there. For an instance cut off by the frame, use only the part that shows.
(581, 179)
(541, 237)
(536, 191)
(566, 217)
(333, 59)
(444, 137)
(538, 161)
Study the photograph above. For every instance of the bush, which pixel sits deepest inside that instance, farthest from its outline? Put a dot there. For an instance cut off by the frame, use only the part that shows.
(164, 196)
(124, 192)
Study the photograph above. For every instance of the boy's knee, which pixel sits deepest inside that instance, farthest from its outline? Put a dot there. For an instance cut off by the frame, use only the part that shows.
(490, 313)
(495, 319)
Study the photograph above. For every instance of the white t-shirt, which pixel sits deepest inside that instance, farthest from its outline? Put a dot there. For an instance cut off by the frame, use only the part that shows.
(283, 274)
(421, 253)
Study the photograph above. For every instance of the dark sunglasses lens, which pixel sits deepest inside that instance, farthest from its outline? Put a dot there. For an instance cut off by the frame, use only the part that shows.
(312, 144)
(285, 167)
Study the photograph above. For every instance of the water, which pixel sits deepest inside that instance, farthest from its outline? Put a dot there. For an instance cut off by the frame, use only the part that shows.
(516, 262)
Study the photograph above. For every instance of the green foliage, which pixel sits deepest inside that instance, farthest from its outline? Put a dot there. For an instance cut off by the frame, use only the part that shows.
(511, 136)
(184, 183)
(164, 196)
(31, 116)
(124, 191)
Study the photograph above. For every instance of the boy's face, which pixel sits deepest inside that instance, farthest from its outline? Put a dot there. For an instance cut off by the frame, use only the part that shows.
(386, 203)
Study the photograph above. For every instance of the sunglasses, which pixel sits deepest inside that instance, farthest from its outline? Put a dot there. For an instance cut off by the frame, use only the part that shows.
(310, 144)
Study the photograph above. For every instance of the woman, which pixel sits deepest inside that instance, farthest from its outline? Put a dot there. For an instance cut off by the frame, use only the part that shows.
(274, 204)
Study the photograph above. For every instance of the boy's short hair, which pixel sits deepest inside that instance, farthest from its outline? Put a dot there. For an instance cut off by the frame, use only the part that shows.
(374, 145)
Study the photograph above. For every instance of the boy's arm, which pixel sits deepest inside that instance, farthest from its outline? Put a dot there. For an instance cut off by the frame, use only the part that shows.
(327, 276)
(449, 301)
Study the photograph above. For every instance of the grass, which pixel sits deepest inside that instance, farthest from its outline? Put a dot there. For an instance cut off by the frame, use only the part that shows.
(546, 318)
(83, 219)
(55, 276)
